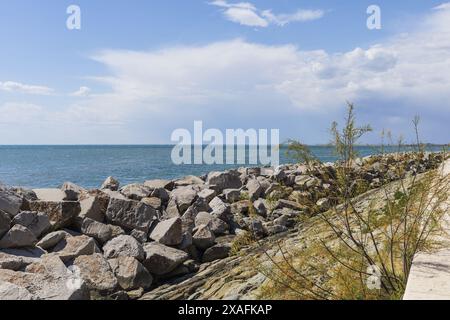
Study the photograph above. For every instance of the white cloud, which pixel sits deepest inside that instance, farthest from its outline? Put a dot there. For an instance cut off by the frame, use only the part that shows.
(82, 92)
(247, 14)
(19, 113)
(11, 86)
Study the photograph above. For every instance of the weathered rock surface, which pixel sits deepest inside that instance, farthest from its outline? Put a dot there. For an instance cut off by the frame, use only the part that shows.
(96, 272)
(10, 202)
(18, 237)
(130, 273)
(161, 259)
(111, 184)
(36, 222)
(130, 214)
(60, 213)
(124, 246)
(97, 230)
(72, 247)
(5, 223)
(168, 232)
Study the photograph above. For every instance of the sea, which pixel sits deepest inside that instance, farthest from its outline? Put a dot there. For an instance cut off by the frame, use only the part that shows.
(89, 166)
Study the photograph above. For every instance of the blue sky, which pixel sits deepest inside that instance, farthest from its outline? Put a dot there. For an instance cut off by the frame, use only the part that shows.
(139, 69)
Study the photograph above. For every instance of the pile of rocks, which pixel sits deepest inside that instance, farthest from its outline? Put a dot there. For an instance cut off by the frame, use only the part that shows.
(72, 243)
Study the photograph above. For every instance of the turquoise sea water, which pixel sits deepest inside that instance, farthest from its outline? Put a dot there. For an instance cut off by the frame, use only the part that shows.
(88, 166)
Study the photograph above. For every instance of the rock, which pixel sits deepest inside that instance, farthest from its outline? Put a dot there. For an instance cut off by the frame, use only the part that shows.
(161, 259)
(96, 272)
(56, 195)
(220, 181)
(217, 226)
(97, 230)
(203, 238)
(61, 214)
(110, 184)
(38, 223)
(136, 191)
(290, 205)
(139, 235)
(207, 194)
(130, 273)
(241, 207)
(72, 247)
(52, 239)
(116, 231)
(232, 195)
(94, 206)
(18, 237)
(124, 246)
(261, 207)
(257, 228)
(220, 209)
(188, 181)
(255, 189)
(183, 197)
(48, 279)
(158, 184)
(130, 214)
(276, 229)
(114, 194)
(188, 219)
(168, 232)
(5, 223)
(217, 252)
(14, 262)
(10, 202)
(12, 292)
(153, 202)
(72, 191)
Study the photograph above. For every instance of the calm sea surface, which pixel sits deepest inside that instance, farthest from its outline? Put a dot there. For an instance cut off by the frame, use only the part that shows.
(88, 166)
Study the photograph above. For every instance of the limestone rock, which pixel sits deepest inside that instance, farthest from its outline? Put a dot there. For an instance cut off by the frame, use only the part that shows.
(136, 191)
(124, 246)
(73, 247)
(207, 194)
(10, 202)
(220, 181)
(18, 237)
(255, 189)
(72, 191)
(203, 238)
(183, 197)
(52, 239)
(130, 214)
(36, 222)
(220, 209)
(168, 232)
(56, 195)
(96, 272)
(188, 181)
(161, 259)
(97, 230)
(94, 206)
(130, 273)
(232, 195)
(217, 226)
(12, 292)
(60, 213)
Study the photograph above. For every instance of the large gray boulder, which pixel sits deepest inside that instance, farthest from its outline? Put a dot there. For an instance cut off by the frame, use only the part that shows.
(10, 202)
(72, 247)
(94, 206)
(203, 238)
(232, 195)
(124, 246)
(18, 237)
(48, 279)
(12, 292)
(220, 209)
(96, 272)
(136, 191)
(130, 273)
(5, 223)
(188, 181)
(97, 230)
(255, 189)
(61, 213)
(168, 232)
(207, 194)
(220, 181)
(130, 214)
(161, 259)
(36, 222)
(217, 226)
(183, 197)
(217, 252)
(52, 239)
(159, 184)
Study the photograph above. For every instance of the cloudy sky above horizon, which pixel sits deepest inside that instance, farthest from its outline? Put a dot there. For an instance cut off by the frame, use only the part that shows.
(138, 70)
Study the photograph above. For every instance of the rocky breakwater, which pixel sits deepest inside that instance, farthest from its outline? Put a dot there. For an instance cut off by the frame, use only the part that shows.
(122, 242)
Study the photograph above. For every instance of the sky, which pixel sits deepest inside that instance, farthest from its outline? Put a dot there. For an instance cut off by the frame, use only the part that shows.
(138, 69)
